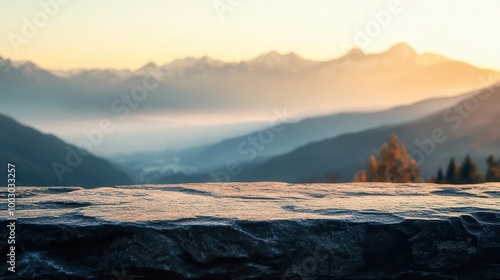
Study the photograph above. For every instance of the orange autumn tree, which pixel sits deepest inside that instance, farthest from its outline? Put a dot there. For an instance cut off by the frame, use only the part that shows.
(392, 163)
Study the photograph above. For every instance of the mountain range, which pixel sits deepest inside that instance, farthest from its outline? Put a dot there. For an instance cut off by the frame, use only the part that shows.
(312, 146)
(294, 135)
(254, 87)
(468, 127)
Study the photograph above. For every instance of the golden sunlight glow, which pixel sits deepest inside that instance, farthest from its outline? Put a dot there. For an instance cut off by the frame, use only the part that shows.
(128, 34)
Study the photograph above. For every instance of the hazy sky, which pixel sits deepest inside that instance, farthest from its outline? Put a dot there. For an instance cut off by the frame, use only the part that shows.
(128, 33)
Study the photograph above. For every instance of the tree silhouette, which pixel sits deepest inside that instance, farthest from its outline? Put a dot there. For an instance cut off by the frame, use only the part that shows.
(392, 164)
(440, 176)
(469, 173)
(493, 170)
(452, 172)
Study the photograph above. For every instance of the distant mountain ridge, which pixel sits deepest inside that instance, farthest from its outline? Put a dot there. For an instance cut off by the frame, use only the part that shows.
(198, 88)
(470, 127)
(257, 86)
(289, 62)
(273, 60)
(313, 129)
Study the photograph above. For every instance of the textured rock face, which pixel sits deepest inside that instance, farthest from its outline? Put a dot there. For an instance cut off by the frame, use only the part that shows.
(260, 231)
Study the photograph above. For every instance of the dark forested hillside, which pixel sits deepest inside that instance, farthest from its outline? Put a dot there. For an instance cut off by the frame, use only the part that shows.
(39, 157)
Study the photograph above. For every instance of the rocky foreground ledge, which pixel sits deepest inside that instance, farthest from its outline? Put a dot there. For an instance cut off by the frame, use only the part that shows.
(258, 231)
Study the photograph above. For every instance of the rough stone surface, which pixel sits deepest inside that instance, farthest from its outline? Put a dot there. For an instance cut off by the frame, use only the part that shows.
(259, 231)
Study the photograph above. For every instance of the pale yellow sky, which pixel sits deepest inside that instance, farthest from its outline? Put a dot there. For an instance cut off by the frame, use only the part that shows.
(128, 34)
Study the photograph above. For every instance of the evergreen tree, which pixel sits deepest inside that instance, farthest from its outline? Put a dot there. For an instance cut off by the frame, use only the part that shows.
(451, 172)
(465, 171)
(469, 173)
(493, 170)
(394, 164)
(490, 161)
(440, 176)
